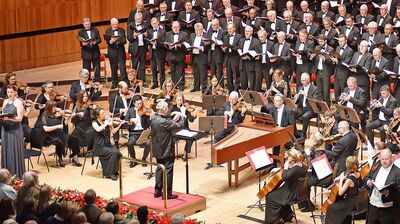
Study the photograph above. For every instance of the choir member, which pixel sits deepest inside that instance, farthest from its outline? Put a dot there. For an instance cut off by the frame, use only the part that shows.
(273, 25)
(391, 40)
(232, 59)
(373, 36)
(364, 18)
(363, 58)
(164, 17)
(290, 27)
(329, 32)
(263, 67)
(396, 69)
(378, 79)
(188, 17)
(283, 60)
(157, 51)
(207, 20)
(301, 55)
(311, 27)
(139, 9)
(230, 18)
(383, 17)
(325, 12)
(351, 32)
(247, 64)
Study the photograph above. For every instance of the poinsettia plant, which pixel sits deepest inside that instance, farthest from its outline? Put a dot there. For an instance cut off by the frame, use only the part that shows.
(128, 211)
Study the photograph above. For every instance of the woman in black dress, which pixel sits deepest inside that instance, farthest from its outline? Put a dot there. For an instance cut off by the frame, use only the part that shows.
(11, 79)
(54, 126)
(167, 91)
(12, 138)
(278, 86)
(178, 107)
(277, 201)
(340, 211)
(108, 154)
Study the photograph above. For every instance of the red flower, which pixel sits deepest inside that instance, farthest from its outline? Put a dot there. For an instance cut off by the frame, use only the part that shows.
(374, 168)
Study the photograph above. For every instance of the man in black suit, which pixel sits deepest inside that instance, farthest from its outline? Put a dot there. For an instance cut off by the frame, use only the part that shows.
(90, 51)
(232, 59)
(137, 124)
(282, 114)
(351, 32)
(119, 104)
(379, 78)
(303, 12)
(373, 36)
(216, 55)
(382, 113)
(136, 34)
(383, 17)
(212, 4)
(391, 40)
(163, 146)
(364, 59)
(364, 18)
(247, 63)
(230, 18)
(396, 69)
(341, 73)
(263, 67)
(175, 6)
(329, 32)
(341, 16)
(284, 57)
(81, 84)
(207, 20)
(139, 9)
(252, 20)
(188, 17)
(304, 112)
(290, 8)
(233, 116)
(116, 51)
(290, 27)
(311, 27)
(343, 148)
(176, 53)
(164, 17)
(320, 15)
(273, 25)
(301, 55)
(90, 208)
(226, 4)
(382, 203)
(354, 97)
(323, 67)
(199, 58)
(157, 51)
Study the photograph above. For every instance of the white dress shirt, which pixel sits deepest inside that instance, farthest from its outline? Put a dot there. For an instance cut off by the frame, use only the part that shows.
(280, 113)
(124, 100)
(246, 45)
(140, 36)
(138, 125)
(89, 33)
(381, 114)
(305, 89)
(351, 93)
(376, 197)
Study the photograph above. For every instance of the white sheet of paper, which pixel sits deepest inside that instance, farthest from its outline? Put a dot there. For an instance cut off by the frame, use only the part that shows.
(260, 159)
(186, 133)
(371, 154)
(321, 168)
(334, 3)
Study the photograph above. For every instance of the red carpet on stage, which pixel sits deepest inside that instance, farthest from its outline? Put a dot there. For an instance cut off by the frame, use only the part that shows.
(186, 204)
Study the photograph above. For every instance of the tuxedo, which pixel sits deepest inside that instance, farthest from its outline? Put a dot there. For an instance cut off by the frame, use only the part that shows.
(146, 16)
(157, 55)
(263, 66)
(287, 116)
(285, 61)
(312, 29)
(232, 61)
(383, 20)
(91, 53)
(135, 132)
(342, 73)
(237, 118)
(206, 23)
(166, 22)
(290, 29)
(278, 25)
(361, 76)
(223, 22)
(381, 79)
(301, 14)
(377, 39)
(176, 58)
(305, 112)
(247, 67)
(344, 147)
(116, 54)
(359, 102)
(379, 123)
(76, 88)
(221, 10)
(391, 41)
(185, 26)
(215, 4)
(352, 36)
(396, 69)
(256, 24)
(367, 19)
(331, 34)
(321, 15)
(137, 49)
(199, 61)
(324, 70)
(216, 55)
(303, 63)
(179, 5)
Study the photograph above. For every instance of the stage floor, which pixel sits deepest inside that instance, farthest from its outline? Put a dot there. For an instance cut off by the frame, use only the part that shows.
(224, 203)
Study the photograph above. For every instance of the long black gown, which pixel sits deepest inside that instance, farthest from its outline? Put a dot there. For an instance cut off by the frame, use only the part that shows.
(12, 144)
(108, 154)
(83, 131)
(340, 211)
(277, 201)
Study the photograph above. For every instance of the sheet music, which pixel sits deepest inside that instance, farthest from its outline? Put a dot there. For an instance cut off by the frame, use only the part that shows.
(396, 160)
(187, 45)
(186, 133)
(321, 166)
(375, 5)
(260, 159)
(371, 154)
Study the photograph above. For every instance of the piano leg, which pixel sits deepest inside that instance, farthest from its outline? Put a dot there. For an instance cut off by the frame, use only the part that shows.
(236, 172)
(230, 173)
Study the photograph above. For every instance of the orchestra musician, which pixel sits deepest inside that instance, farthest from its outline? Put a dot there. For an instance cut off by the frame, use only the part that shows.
(393, 131)
(108, 154)
(90, 51)
(119, 104)
(215, 89)
(199, 58)
(11, 79)
(232, 59)
(379, 79)
(157, 51)
(349, 183)
(381, 202)
(277, 206)
(116, 51)
(136, 34)
(163, 146)
(343, 148)
(278, 86)
(93, 89)
(138, 121)
(234, 112)
(304, 111)
(363, 58)
(46, 95)
(382, 112)
(167, 91)
(12, 143)
(134, 84)
(301, 55)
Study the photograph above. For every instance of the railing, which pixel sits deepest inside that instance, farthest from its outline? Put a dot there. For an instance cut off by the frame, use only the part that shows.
(165, 194)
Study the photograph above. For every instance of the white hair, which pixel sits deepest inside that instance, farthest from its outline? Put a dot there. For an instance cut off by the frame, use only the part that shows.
(106, 218)
(4, 173)
(28, 179)
(161, 106)
(83, 71)
(234, 94)
(177, 218)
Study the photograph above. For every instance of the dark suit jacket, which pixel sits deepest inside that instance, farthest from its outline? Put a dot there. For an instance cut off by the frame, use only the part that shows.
(327, 14)
(287, 116)
(119, 104)
(308, 46)
(90, 51)
(203, 55)
(343, 148)
(331, 34)
(359, 100)
(341, 71)
(223, 22)
(278, 25)
(160, 50)
(193, 15)
(145, 13)
(216, 4)
(381, 78)
(353, 36)
(393, 177)
(378, 38)
(327, 66)
(237, 117)
(286, 56)
(144, 120)
(313, 92)
(314, 29)
(254, 45)
(217, 55)
(76, 88)
(387, 109)
(300, 14)
(368, 18)
(386, 19)
(232, 56)
(134, 41)
(365, 61)
(294, 25)
(259, 63)
(117, 48)
(168, 16)
(92, 213)
(179, 53)
(180, 4)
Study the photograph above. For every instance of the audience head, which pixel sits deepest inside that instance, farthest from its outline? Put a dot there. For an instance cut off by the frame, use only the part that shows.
(78, 218)
(64, 211)
(5, 176)
(30, 204)
(106, 218)
(45, 194)
(30, 178)
(142, 214)
(90, 196)
(7, 207)
(177, 218)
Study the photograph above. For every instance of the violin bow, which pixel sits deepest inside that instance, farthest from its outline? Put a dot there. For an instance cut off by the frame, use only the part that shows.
(115, 103)
(62, 118)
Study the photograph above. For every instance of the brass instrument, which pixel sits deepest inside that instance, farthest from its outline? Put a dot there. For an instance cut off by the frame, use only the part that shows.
(342, 96)
(374, 102)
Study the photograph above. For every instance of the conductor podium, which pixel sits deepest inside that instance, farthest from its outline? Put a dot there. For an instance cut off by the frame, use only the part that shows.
(248, 136)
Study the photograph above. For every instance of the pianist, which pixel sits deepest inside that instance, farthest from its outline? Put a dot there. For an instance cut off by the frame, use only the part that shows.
(234, 112)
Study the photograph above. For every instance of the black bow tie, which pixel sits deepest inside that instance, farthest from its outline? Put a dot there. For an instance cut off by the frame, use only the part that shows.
(342, 48)
(115, 30)
(308, 25)
(162, 14)
(281, 44)
(87, 30)
(138, 24)
(176, 33)
(215, 31)
(231, 35)
(371, 35)
(156, 30)
(362, 17)
(288, 24)
(247, 39)
(229, 20)
(187, 12)
(302, 43)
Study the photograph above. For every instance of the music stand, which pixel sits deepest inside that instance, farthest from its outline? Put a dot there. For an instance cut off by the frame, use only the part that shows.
(319, 107)
(212, 102)
(289, 102)
(212, 124)
(144, 139)
(253, 98)
(348, 114)
(191, 135)
(361, 137)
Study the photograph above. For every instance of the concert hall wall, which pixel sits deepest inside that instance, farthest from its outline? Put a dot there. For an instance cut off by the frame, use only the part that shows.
(38, 33)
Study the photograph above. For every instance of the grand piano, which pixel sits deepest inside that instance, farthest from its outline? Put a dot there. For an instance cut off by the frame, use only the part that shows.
(259, 131)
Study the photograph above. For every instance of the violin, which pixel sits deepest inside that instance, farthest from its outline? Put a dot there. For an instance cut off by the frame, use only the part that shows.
(334, 194)
(128, 94)
(60, 112)
(57, 96)
(238, 106)
(218, 90)
(20, 85)
(145, 111)
(90, 84)
(116, 121)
